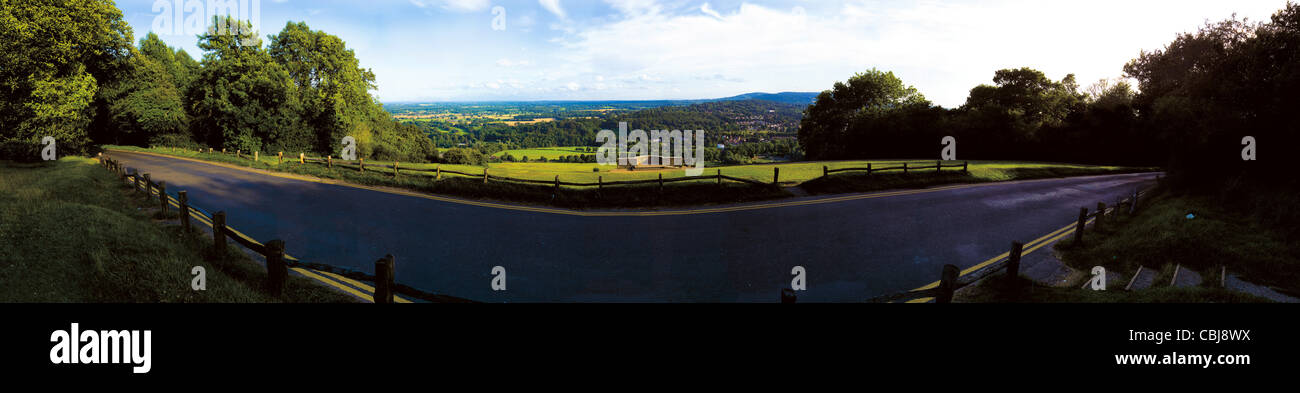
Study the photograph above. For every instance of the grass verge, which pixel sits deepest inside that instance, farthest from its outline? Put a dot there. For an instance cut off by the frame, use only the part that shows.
(701, 192)
(807, 175)
(995, 290)
(979, 173)
(73, 233)
(1215, 235)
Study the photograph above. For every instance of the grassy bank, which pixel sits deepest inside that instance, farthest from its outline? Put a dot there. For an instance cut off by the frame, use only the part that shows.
(1026, 291)
(74, 234)
(808, 175)
(636, 196)
(1219, 233)
(980, 172)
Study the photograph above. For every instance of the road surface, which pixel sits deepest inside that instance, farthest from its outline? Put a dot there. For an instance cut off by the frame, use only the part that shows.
(852, 247)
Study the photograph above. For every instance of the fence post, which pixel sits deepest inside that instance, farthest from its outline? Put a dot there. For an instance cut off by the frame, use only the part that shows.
(302, 158)
(237, 151)
(276, 271)
(1013, 263)
(361, 163)
(329, 162)
(219, 234)
(395, 165)
(148, 187)
(438, 172)
(485, 176)
(826, 171)
(947, 284)
(185, 210)
(719, 177)
(1132, 208)
(223, 150)
(938, 166)
(776, 176)
(557, 184)
(162, 197)
(964, 166)
(869, 169)
(135, 181)
(384, 274)
(661, 183)
(279, 158)
(1078, 228)
(1101, 213)
(257, 156)
(600, 182)
(904, 168)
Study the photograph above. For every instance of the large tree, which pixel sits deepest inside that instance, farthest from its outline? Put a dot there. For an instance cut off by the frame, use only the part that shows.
(242, 98)
(54, 56)
(841, 118)
(1206, 91)
(332, 87)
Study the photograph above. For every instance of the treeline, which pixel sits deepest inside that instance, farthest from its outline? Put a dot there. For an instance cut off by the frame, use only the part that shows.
(1196, 102)
(304, 91)
(714, 118)
(1023, 115)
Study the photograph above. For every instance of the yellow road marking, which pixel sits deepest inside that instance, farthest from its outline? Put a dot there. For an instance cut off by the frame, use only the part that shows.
(345, 288)
(202, 219)
(1005, 255)
(359, 284)
(504, 206)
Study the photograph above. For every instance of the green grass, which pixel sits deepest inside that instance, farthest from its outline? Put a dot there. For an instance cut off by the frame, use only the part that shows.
(1221, 234)
(550, 153)
(73, 233)
(995, 290)
(805, 174)
(979, 172)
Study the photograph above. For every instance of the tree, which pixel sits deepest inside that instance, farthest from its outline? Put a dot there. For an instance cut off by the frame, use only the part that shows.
(242, 98)
(146, 101)
(332, 87)
(1206, 91)
(54, 56)
(825, 130)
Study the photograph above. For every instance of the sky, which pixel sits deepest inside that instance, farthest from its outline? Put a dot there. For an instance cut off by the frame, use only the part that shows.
(491, 50)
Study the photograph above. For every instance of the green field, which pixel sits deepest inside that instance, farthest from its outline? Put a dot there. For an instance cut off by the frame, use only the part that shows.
(73, 233)
(550, 153)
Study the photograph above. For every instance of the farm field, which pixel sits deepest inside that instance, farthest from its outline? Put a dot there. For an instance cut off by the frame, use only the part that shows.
(550, 153)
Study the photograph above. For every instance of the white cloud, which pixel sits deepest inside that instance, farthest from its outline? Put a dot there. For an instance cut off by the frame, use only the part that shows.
(635, 7)
(454, 5)
(706, 9)
(508, 63)
(554, 7)
(943, 48)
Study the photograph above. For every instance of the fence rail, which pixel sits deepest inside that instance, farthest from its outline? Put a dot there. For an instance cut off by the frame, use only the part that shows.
(717, 177)
(951, 279)
(276, 260)
(870, 168)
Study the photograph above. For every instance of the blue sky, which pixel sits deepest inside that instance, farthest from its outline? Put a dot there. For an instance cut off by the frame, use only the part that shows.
(448, 50)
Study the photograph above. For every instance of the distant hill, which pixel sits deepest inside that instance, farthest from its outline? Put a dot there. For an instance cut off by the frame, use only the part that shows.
(799, 98)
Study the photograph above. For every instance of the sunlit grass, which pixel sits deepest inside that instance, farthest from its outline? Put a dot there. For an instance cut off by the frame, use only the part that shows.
(72, 233)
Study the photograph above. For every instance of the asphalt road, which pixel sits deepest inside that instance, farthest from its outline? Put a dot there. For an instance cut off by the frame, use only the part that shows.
(851, 249)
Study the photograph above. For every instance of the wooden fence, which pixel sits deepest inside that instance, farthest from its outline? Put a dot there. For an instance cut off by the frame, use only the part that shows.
(396, 169)
(951, 279)
(937, 167)
(277, 262)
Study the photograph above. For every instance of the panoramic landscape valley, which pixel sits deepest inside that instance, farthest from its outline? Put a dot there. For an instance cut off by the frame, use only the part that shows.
(160, 156)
